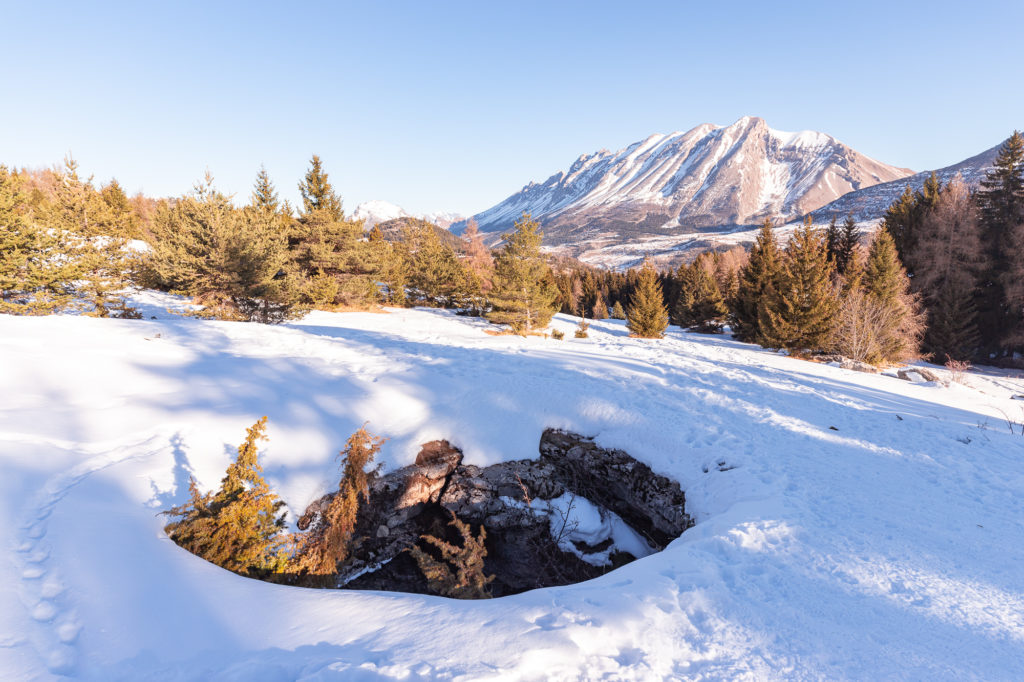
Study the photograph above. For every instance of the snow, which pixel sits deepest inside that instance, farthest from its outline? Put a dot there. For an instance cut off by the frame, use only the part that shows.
(848, 525)
(377, 211)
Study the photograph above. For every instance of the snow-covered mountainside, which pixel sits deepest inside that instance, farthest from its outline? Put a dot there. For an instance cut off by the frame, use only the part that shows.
(710, 178)
(848, 525)
(373, 212)
(869, 204)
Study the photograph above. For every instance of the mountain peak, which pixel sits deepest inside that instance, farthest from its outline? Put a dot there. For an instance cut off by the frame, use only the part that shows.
(708, 178)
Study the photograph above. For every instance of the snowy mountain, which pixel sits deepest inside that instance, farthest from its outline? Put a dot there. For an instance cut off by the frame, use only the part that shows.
(709, 178)
(376, 211)
(870, 203)
(849, 526)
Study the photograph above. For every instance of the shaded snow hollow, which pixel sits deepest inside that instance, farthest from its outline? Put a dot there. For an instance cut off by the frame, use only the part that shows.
(889, 546)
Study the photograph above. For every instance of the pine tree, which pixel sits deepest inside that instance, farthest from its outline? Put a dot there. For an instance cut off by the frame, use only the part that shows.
(317, 193)
(523, 296)
(230, 260)
(1001, 202)
(36, 271)
(952, 330)
(887, 285)
(950, 257)
(437, 274)
(618, 313)
(700, 305)
(902, 219)
(848, 241)
(800, 314)
(327, 542)
(647, 316)
(833, 236)
(238, 526)
(264, 195)
(755, 278)
(122, 220)
(89, 236)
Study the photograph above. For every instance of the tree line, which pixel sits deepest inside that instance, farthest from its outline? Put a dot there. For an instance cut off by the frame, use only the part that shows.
(943, 275)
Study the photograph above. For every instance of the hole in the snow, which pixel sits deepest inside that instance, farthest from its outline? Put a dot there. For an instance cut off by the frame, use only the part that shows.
(575, 513)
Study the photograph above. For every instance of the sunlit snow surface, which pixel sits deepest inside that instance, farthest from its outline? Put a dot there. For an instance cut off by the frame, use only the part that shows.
(888, 547)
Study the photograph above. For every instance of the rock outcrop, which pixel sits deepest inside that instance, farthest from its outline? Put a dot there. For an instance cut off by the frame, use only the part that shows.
(511, 501)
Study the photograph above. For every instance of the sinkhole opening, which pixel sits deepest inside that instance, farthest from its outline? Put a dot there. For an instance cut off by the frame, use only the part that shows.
(575, 513)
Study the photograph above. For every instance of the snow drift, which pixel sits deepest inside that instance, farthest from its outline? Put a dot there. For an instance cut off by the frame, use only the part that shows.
(847, 525)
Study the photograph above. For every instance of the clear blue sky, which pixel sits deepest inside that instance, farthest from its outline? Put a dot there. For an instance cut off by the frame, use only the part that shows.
(454, 106)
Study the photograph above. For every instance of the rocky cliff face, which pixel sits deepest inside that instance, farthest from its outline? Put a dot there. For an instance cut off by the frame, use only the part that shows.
(711, 177)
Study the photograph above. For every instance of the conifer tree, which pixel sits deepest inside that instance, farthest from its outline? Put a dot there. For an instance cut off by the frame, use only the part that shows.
(327, 542)
(853, 278)
(600, 310)
(36, 272)
(524, 295)
(460, 572)
(264, 195)
(230, 260)
(950, 257)
(618, 313)
(647, 316)
(122, 219)
(90, 237)
(902, 219)
(437, 274)
(887, 285)
(317, 193)
(800, 314)
(700, 305)
(760, 274)
(848, 241)
(238, 526)
(833, 235)
(478, 256)
(1001, 202)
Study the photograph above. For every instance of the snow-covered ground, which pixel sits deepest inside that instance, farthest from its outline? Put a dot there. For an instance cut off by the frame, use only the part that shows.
(849, 526)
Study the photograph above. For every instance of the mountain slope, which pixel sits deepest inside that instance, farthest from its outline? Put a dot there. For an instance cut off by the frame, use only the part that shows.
(870, 203)
(711, 177)
(848, 525)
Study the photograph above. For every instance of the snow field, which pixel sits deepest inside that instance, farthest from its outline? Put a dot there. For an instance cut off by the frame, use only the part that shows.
(849, 526)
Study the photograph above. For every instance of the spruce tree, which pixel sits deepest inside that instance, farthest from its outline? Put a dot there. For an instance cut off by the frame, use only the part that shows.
(950, 260)
(833, 237)
(800, 314)
(848, 241)
(317, 193)
(37, 272)
(523, 296)
(230, 260)
(90, 236)
(437, 273)
(600, 310)
(887, 285)
(755, 278)
(618, 313)
(1001, 202)
(700, 305)
(238, 526)
(647, 316)
(264, 195)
